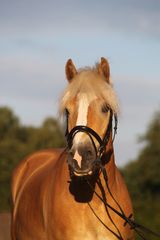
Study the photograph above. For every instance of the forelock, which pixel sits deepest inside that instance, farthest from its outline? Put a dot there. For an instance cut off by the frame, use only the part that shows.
(90, 83)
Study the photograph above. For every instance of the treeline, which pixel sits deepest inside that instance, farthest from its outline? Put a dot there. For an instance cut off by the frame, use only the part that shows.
(18, 141)
(143, 179)
(142, 175)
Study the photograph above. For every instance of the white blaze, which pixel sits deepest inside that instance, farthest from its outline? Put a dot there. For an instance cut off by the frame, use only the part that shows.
(84, 102)
(82, 115)
(81, 120)
(82, 110)
(78, 158)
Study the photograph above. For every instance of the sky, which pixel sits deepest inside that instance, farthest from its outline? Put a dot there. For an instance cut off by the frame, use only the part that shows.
(37, 37)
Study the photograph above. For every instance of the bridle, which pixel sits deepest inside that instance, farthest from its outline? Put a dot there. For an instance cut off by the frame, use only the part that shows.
(139, 229)
(93, 135)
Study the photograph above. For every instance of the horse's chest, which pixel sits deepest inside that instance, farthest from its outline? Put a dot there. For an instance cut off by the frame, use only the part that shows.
(97, 234)
(82, 233)
(83, 225)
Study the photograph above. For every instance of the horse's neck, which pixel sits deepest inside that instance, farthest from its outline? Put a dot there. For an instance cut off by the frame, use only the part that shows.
(111, 171)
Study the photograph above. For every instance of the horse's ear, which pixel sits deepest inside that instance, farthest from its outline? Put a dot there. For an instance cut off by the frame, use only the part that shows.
(104, 69)
(70, 70)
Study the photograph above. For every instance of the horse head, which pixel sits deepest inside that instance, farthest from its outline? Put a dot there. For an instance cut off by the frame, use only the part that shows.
(89, 104)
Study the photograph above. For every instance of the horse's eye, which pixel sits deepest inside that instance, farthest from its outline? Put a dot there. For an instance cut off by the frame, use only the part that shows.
(105, 108)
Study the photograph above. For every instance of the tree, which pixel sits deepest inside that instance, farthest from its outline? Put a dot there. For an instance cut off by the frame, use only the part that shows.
(143, 177)
(8, 122)
(17, 141)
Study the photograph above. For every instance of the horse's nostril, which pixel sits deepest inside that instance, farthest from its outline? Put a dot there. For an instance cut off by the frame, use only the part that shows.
(89, 153)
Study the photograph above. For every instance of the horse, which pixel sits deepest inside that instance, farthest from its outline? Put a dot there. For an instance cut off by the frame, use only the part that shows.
(78, 192)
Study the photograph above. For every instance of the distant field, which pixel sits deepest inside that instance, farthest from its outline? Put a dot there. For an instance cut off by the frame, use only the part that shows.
(5, 226)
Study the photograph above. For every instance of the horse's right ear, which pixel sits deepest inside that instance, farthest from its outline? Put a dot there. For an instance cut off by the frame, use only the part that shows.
(70, 70)
(104, 70)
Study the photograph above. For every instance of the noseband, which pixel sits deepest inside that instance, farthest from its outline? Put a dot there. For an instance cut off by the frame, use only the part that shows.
(91, 133)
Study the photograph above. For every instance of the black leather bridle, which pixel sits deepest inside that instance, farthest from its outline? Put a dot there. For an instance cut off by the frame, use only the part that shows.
(92, 134)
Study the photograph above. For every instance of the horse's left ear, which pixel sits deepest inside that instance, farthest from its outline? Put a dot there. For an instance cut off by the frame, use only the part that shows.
(70, 70)
(104, 69)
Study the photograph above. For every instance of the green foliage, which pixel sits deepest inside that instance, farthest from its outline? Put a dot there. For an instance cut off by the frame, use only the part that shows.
(143, 178)
(17, 141)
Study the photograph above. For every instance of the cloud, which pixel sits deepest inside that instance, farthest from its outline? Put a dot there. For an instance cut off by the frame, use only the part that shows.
(30, 78)
(139, 98)
(80, 17)
(31, 111)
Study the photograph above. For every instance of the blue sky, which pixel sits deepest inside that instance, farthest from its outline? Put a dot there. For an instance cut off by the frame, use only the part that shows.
(37, 38)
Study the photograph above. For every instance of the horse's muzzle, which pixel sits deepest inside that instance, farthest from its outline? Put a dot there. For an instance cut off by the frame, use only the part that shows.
(81, 160)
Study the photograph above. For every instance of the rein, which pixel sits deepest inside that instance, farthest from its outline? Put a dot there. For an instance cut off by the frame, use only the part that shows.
(138, 228)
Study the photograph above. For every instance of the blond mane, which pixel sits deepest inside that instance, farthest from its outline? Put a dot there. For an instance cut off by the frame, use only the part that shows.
(89, 81)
